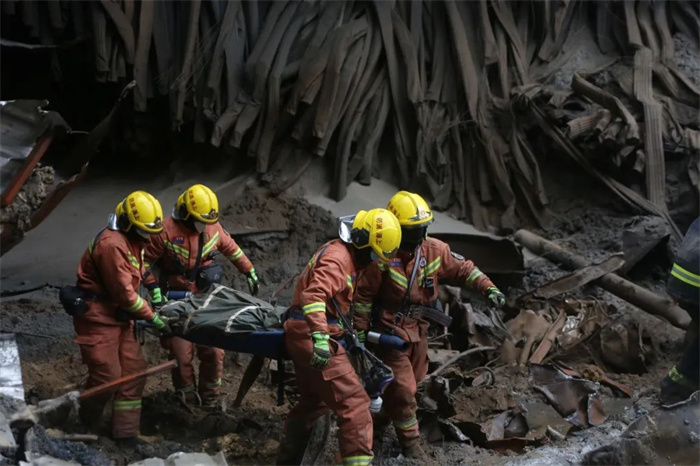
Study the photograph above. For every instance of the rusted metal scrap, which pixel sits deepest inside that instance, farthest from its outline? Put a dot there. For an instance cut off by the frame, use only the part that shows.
(576, 400)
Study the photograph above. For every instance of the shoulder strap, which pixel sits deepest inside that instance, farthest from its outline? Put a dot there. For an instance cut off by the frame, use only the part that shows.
(193, 272)
(414, 272)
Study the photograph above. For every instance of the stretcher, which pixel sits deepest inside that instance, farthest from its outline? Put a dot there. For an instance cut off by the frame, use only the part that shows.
(234, 321)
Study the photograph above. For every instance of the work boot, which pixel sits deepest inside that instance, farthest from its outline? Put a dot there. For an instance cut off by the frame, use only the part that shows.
(130, 442)
(413, 449)
(214, 404)
(294, 442)
(676, 388)
(188, 398)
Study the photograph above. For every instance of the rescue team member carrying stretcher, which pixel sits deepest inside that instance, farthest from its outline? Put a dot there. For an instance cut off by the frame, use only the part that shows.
(325, 376)
(104, 305)
(411, 278)
(184, 251)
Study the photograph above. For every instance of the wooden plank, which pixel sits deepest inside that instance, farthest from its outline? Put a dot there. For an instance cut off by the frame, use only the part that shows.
(143, 48)
(274, 83)
(99, 32)
(634, 37)
(575, 280)
(186, 73)
(661, 22)
(653, 127)
(647, 27)
(123, 25)
(402, 113)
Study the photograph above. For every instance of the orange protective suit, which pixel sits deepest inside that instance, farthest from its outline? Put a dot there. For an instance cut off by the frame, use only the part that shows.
(383, 287)
(175, 250)
(329, 276)
(111, 270)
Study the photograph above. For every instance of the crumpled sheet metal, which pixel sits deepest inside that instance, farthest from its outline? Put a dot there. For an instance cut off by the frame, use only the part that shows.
(505, 432)
(576, 400)
(23, 122)
(667, 435)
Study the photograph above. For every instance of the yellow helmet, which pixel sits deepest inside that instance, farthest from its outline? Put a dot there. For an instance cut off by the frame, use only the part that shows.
(198, 203)
(410, 209)
(378, 229)
(141, 211)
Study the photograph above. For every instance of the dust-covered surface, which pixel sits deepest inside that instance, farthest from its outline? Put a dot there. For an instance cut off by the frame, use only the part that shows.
(687, 57)
(28, 200)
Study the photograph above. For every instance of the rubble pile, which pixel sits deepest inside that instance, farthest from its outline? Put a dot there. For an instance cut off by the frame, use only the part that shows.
(460, 85)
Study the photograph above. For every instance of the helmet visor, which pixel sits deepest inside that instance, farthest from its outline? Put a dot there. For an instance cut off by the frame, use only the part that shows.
(157, 225)
(345, 228)
(211, 217)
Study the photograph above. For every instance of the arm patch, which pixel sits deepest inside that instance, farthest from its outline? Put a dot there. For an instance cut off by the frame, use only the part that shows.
(457, 256)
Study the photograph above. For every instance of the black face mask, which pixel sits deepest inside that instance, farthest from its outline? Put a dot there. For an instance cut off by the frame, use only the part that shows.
(412, 237)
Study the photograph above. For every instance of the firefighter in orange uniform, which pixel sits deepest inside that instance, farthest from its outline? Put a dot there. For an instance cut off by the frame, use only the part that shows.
(109, 275)
(325, 376)
(184, 251)
(383, 298)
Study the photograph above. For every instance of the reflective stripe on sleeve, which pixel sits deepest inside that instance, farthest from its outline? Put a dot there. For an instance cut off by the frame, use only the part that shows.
(211, 244)
(136, 306)
(685, 276)
(476, 273)
(236, 255)
(314, 307)
(362, 308)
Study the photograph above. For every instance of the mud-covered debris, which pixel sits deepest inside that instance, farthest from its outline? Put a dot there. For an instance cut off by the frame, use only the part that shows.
(436, 397)
(576, 400)
(668, 435)
(640, 237)
(38, 443)
(526, 330)
(504, 432)
(627, 347)
(28, 200)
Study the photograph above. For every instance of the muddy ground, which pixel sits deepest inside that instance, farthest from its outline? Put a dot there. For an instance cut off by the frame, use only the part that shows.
(279, 235)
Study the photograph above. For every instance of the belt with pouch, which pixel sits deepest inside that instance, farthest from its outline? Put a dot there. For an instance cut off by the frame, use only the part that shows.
(416, 311)
(298, 314)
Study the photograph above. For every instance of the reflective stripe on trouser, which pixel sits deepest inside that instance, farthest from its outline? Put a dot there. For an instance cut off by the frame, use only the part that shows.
(211, 366)
(357, 460)
(337, 388)
(111, 352)
(409, 367)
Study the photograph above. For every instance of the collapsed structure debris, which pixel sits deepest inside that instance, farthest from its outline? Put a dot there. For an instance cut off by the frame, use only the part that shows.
(460, 84)
(625, 289)
(30, 191)
(667, 435)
